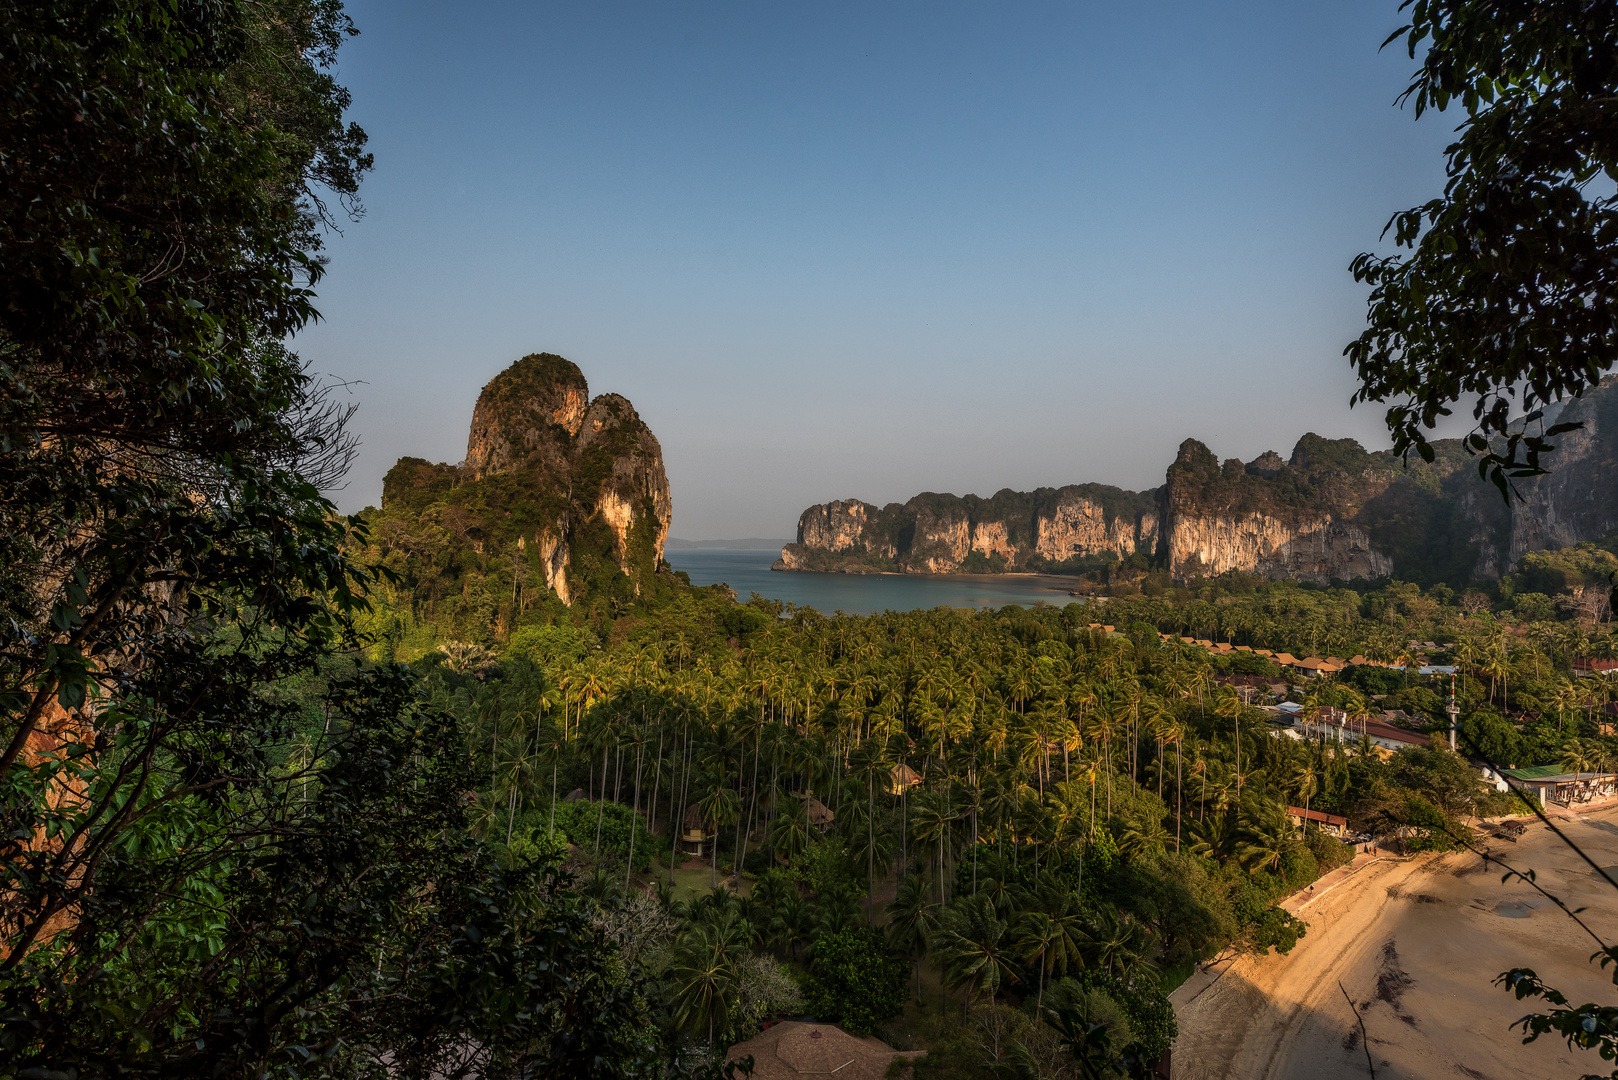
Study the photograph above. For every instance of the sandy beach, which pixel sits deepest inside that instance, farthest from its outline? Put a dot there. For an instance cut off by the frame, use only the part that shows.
(1417, 944)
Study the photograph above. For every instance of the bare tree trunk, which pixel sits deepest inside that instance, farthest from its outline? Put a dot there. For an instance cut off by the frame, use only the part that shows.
(601, 803)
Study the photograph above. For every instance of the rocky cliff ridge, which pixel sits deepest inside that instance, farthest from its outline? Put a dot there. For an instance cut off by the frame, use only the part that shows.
(1332, 511)
(1050, 530)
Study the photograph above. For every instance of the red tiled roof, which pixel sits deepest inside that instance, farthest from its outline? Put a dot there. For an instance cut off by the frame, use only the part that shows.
(1379, 730)
(1316, 815)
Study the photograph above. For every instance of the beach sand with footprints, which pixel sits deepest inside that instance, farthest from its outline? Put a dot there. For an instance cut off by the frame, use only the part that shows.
(1416, 943)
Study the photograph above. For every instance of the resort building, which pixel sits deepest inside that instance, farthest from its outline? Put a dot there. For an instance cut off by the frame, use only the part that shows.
(1553, 784)
(1330, 824)
(1335, 725)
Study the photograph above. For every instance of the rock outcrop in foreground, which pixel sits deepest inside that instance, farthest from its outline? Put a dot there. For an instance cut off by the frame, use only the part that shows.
(1330, 512)
(576, 485)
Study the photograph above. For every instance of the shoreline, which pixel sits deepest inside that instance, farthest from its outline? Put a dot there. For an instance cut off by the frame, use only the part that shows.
(1054, 582)
(1416, 942)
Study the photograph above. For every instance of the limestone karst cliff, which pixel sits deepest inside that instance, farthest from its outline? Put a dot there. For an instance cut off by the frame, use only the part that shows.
(1332, 511)
(575, 487)
(1051, 529)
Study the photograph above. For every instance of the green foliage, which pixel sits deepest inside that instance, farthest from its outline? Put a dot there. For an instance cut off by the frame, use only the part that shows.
(1147, 1026)
(1506, 288)
(1582, 1027)
(271, 871)
(578, 823)
(1565, 571)
(1329, 852)
(826, 866)
(857, 981)
(1276, 929)
(551, 647)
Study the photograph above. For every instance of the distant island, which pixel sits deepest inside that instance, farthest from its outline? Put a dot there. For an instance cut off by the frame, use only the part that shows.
(749, 543)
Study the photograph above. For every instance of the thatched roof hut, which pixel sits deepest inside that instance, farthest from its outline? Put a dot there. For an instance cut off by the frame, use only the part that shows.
(791, 1049)
(820, 815)
(692, 822)
(902, 776)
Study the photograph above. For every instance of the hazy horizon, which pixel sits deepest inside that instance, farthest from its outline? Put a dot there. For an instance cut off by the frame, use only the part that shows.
(864, 253)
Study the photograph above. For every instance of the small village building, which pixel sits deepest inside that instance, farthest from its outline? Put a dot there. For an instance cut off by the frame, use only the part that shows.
(901, 778)
(1391, 737)
(1588, 665)
(694, 839)
(1552, 784)
(792, 1048)
(819, 814)
(1337, 726)
(1330, 824)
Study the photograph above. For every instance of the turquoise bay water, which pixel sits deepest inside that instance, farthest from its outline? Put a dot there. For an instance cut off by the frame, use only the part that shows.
(857, 594)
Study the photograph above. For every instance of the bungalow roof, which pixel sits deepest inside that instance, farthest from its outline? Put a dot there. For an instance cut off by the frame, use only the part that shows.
(903, 774)
(1377, 729)
(819, 813)
(1316, 815)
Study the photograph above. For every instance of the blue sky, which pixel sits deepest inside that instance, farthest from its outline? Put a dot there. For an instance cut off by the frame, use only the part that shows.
(866, 250)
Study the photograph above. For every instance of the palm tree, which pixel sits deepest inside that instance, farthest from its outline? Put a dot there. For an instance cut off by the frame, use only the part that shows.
(1266, 836)
(932, 821)
(721, 807)
(1037, 939)
(1581, 755)
(1143, 836)
(912, 919)
(974, 948)
(1229, 706)
(1171, 730)
(1113, 943)
(789, 837)
(1305, 779)
(707, 982)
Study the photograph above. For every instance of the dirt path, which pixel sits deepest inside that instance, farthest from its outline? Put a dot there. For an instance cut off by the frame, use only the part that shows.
(1417, 944)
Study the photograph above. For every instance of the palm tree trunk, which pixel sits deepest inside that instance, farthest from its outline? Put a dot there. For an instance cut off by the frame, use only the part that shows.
(618, 776)
(511, 813)
(741, 817)
(634, 817)
(1179, 792)
(870, 851)
(657, 780)
(752, 813)
(601, 805)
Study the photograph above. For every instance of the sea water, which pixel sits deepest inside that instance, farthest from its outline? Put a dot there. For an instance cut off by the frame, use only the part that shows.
(857, 594)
